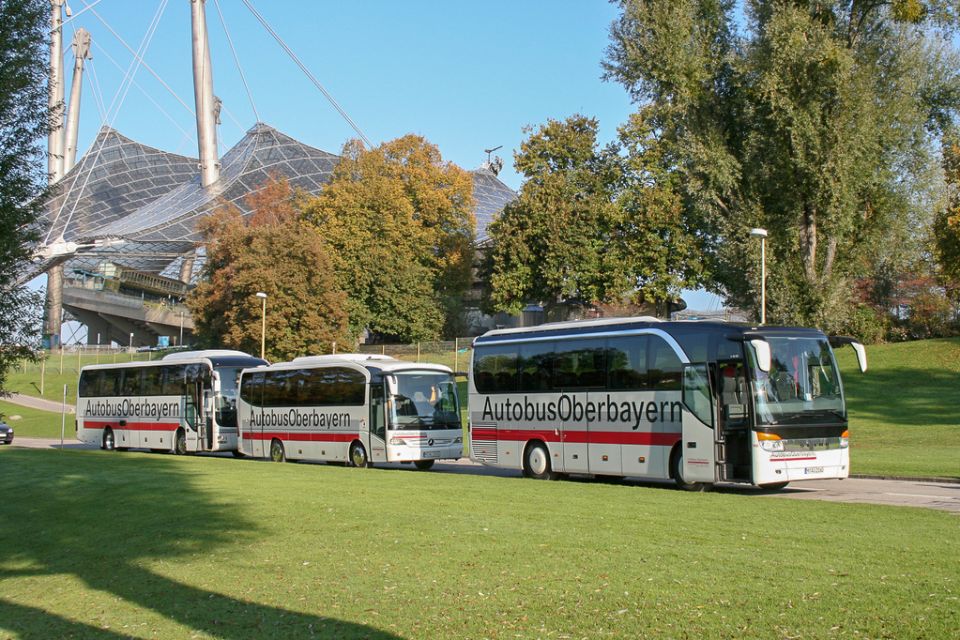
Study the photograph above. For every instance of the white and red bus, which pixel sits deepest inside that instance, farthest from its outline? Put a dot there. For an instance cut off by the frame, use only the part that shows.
(186, 402)
(696, 402)
(351, 408)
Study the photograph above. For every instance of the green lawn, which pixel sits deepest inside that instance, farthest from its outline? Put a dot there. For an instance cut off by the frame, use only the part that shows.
(30, 378)
(905, 410)
(33, 423)
(116, 545)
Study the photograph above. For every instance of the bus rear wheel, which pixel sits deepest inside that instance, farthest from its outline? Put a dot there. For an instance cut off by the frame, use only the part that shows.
(277, 454)
(423, 465)
(180, 443)
(109, 441)
(536, 462)
(676, 472)
(358, 455)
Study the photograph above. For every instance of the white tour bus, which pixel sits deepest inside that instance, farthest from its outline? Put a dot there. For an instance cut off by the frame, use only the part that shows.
(353, 408)
(698, 402)
(185, 402)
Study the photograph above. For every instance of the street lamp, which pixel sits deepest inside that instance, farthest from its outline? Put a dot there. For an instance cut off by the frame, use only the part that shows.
(180, 344)
(130, 348)
(263, 324)
(762, 234)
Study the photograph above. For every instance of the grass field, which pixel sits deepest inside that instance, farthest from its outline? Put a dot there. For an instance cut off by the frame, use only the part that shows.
(117, 545)
(33, 423)
(905, 410)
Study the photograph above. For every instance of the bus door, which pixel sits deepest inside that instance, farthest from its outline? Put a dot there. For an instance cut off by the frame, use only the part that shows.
(194, 408)
(378, 434)
(698, 452)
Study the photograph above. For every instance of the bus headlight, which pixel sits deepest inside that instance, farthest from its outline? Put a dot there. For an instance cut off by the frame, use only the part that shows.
(458, 440)
(845, 439)
(770, 441)
(398, 441)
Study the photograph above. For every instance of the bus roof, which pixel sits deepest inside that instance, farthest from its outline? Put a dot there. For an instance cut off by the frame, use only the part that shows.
(609, 325)
(376, 362)
(216, 357)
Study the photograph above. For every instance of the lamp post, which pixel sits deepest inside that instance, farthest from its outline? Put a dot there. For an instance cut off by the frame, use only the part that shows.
(130, 348)
(180, 344)
(762, 234)
(263, 323)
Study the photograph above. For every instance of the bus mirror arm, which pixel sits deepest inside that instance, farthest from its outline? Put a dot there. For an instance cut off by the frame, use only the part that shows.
(859, 349)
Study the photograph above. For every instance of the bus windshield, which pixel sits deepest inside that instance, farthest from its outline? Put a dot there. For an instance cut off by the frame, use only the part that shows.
(425, 400)
(802, 386)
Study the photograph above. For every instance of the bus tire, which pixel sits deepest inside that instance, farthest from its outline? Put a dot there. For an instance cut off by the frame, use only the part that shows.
(180, 443)
(774, 486)
(109, 442)
(277, 454)
(536, 462)
(676, 472)
(358, 455)
(423, 465)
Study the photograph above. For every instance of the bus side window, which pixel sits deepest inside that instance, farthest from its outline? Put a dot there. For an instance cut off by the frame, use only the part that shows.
(627, 363)
(495, 369)
(90, 383)
(664, 365)
(110, 382)
(152, 382)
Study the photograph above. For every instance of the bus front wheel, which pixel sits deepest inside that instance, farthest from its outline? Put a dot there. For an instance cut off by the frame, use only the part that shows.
(277, 454)
(676, 472)
(536, 462)
(423, 465)
(358, 455)
(180, 443)
(109, 442)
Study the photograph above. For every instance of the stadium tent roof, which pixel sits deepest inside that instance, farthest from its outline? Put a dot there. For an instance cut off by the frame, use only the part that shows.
(152, 199)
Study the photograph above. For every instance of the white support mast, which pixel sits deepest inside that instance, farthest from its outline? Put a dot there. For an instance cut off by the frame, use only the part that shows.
(207, 107)
(81, 52)
(53, 307)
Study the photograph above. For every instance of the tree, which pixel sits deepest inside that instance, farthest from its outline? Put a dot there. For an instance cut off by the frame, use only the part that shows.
(947, 224)
(277, 253)
(814, 122)
(23, 121)
(400, 225)
(586, 227)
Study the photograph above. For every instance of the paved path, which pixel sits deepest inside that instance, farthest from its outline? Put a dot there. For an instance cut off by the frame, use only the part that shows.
(37, 403)
(944, 496)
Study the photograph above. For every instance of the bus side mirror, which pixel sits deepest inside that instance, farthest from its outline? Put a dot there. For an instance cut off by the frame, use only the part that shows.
(858, 348)
(762, 349)
(392, 386)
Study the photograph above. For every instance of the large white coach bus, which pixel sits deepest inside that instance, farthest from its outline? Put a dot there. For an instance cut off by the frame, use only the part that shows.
(351, 408)
(698, 402)
(186, 402)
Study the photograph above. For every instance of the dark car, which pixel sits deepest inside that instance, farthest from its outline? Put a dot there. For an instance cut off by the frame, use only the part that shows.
(6, 433)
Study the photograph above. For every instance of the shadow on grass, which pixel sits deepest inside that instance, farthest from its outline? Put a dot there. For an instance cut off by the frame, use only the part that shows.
(100, 518)
(904, 396)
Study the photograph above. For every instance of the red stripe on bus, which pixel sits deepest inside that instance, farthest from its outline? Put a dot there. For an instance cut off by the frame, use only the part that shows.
(579, 437)
(131, 426)
(301, 437)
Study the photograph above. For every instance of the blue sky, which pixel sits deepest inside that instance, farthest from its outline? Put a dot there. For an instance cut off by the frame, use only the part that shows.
(467, 76)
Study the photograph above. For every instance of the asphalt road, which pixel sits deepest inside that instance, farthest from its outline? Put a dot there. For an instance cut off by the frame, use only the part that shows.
(944, 496)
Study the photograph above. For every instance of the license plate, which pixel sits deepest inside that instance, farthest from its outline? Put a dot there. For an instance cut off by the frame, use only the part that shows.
(813, 470)
(429, 454)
